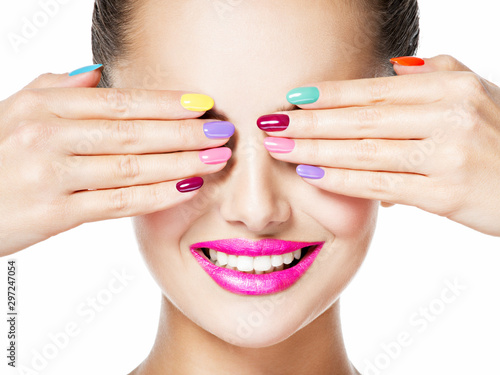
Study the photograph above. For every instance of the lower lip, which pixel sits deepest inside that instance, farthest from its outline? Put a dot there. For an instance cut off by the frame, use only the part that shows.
(257, 284)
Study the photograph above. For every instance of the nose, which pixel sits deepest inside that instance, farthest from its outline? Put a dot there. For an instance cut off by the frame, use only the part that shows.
(253, 194)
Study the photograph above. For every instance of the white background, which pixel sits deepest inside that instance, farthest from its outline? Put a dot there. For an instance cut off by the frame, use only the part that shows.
(412, 256)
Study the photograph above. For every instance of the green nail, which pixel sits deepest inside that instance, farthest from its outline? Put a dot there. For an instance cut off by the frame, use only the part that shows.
(303, 95)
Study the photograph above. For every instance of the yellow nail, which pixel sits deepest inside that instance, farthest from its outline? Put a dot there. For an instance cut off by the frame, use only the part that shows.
(197, 102)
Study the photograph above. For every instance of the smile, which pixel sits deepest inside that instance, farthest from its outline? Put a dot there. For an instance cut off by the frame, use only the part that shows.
(255, 267)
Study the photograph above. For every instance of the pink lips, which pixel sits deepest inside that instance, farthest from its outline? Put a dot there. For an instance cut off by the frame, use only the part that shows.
(252, 284)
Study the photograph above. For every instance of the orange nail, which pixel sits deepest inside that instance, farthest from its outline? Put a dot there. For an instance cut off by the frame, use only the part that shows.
(408, 61)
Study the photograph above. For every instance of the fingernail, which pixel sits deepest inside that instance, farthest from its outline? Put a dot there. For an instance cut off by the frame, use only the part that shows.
(189, 184)
(308, 171)
(273, 123)
(85, 69)
(281, 145)
(215, 155)
(303, 95)
(197, 102)
(218, 129)
(408, 61)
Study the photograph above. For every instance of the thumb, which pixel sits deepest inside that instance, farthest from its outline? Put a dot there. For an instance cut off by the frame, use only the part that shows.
(88, 76)
(415, 65)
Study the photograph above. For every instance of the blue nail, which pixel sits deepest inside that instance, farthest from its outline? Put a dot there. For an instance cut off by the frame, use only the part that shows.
(308, 171)
(85, 69)
(218, 129)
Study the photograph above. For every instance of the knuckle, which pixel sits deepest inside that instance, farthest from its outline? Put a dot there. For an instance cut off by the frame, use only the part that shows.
(36, 174)
(457, 159)
(471, 83)
(366, 118)
(365, 150)
(314, 151)
(44, 77)
(158, 195)
(119, 101)
(128, 167)
(313, 121)
(165, 100)
(181, 162)
(377, 182)
(379, 89)
(31, 134)
(186, 133)
(469, 116)
(472, 123)
(121, 200)
(126, 133)
(25, 101)
(448, 62)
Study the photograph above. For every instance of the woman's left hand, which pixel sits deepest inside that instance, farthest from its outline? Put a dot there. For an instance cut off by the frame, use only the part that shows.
(428, 140)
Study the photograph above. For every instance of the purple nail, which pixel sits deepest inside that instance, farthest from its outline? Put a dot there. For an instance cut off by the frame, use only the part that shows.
(218, 129)
(308, 171)
(273, 123)
(189, 184)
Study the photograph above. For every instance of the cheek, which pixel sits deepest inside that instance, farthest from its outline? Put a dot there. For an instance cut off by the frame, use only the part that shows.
(165, 228)
(345, 217)
(159, 234)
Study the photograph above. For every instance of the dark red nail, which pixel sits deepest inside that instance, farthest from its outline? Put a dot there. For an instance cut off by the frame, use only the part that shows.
(189, 184)
(273, 123)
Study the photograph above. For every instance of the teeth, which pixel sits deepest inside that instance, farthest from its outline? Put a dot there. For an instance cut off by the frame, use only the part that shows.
(276, 260)
(258, 265)
(221, 258)
(262, 263)
(288, 258)
(245, 263)
(213, 254)
(232, 261)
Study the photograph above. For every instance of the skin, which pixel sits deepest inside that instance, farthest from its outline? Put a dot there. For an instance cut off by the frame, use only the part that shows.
(257, 194)
(254, 196)
(429, 138)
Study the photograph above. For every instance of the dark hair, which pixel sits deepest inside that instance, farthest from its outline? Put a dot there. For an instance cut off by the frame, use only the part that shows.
(398, 31)
(395, 32)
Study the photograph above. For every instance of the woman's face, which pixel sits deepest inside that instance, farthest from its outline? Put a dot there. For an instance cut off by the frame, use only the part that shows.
(247, 55)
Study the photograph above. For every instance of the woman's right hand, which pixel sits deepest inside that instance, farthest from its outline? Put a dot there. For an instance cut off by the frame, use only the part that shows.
(72, 153)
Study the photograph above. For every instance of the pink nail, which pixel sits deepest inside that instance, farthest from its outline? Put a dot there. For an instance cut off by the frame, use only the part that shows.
(215, 155)
(281, 145)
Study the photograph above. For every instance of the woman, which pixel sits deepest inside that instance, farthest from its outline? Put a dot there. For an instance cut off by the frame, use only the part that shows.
(254, 59)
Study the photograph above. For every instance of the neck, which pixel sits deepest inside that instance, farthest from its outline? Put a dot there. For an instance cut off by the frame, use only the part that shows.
(182, 347)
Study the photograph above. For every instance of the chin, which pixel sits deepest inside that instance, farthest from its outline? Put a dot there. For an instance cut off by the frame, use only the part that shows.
(259, 333)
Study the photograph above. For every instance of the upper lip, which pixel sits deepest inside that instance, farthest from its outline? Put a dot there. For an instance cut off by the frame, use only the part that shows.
(242, 246)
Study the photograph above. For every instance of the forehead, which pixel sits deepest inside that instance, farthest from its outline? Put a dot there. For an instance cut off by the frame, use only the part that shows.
(248, 55)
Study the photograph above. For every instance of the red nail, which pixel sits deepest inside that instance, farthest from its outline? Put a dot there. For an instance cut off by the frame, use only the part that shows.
(189, 184)
(273, 123)
(408, 61)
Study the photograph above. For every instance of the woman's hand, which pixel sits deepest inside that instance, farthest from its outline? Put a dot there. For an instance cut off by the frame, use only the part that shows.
(427, 140)
(71, 153)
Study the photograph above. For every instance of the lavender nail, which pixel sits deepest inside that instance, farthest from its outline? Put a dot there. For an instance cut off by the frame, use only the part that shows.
(308, 171)
(218, 129)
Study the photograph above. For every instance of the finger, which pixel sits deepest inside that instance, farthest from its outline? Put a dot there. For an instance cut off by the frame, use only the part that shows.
(95, 205)
(438, 63)
(399, 188)
(390, 121)
(106, 137)
(90, 78)
(104, 172)
(364, 154)
(405, 89)
(125, 103)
